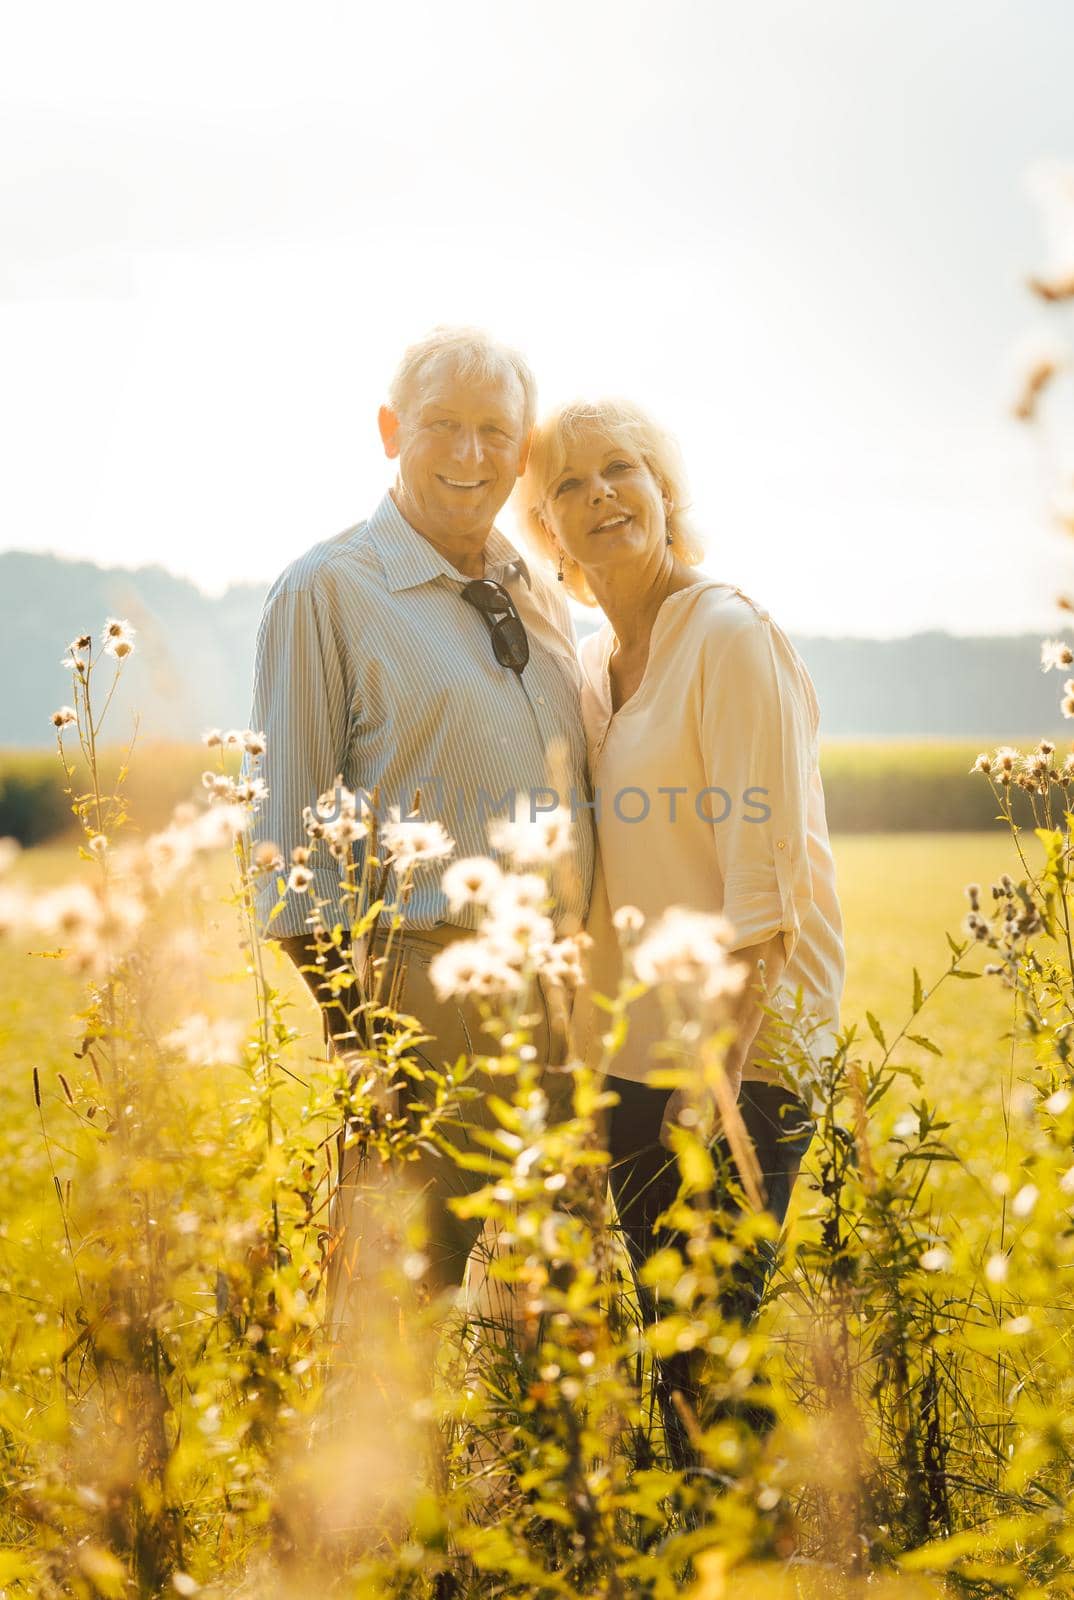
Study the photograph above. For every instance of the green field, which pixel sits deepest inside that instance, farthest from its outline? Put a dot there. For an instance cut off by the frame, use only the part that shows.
(900, 894)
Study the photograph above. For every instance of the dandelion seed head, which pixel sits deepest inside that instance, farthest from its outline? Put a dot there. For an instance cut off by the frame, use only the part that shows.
(1058, 1102)
(1018, 1325)
(1024, 1201)
(628, 920)
(299, 879)
(473, 967)
(213, 738)
(689, 951)
(98, 844)
(937, 1259)
(254, 743)
(530, 839)
(997, 1268)
(472, 881)
(1054, 654)
(982, 764)
(411, 842)
(117, 636)
(1066, 1182)
(267, 857)
(64, 717)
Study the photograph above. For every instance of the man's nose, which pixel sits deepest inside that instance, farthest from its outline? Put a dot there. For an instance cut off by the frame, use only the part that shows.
(468, 445)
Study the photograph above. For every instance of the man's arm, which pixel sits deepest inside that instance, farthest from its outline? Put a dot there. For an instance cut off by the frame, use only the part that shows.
(338, 1000)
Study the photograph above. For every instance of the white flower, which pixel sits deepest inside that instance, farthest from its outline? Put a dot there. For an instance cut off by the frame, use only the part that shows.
(1024, 1201)
(1066, 1182)
(471, 881)
(531, 838)
(938, 1259)
(519, 889)
(628, 919)
(118, 638)
(1051, 183)
(997, 1268)
(1062, 508)
(519, 926)
(71, 912)
(299, 879)
(1055, 653)
(1036, 361)
(213, 737)
(64, 717)
(689, 950)
(206, 1042)
(472, 967)
(907, 1125)
(254, 743)
(1018, 1325)
(411, 841)
(13, 911)
(98, 845)
(1058, 1102)
(9, 854)
(267, 857)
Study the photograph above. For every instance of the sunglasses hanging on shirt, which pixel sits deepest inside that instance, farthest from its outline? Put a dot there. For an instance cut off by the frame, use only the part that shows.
(510, 644)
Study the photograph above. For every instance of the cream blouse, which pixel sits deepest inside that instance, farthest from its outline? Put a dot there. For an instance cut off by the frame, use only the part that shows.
(707, 795)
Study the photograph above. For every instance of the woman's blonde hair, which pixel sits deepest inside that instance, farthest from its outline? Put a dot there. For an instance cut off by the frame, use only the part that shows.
(549, 452)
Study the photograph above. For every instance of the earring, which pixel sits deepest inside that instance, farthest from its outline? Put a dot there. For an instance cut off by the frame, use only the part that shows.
(559, 573)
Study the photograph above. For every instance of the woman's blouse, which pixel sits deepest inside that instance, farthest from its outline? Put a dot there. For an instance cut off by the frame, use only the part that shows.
(707, 795)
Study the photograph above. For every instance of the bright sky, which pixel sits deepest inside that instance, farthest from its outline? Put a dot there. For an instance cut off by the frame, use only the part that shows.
(797, 233)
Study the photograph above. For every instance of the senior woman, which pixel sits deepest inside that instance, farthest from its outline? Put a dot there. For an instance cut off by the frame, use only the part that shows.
(701, 724)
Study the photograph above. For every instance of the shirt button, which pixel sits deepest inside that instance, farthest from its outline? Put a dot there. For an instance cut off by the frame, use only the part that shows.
(540, 699)
(781, 844)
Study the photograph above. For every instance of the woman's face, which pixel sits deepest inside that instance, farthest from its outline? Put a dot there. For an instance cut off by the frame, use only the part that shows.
(605, 506)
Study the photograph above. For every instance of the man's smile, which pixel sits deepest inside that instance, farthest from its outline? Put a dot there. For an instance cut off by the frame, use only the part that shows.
(462, 483)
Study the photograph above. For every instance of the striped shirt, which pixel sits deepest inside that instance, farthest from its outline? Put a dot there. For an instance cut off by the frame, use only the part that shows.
(371, 667)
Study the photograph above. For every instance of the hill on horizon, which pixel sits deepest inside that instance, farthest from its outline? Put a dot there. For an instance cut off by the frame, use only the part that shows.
(194, 662)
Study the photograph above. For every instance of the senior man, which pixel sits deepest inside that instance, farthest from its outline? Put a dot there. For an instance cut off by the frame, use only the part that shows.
(376, 663)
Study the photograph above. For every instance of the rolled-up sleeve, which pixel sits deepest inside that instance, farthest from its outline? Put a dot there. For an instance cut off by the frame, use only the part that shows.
(302, 702)
(759, 729)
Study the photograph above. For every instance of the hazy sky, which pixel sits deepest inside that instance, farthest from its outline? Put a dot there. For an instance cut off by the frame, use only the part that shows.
(798, 233)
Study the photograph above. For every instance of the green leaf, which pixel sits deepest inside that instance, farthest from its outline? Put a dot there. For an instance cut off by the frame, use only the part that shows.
(926, 1044)
(965, 975)
(876, 1030)
(919, 993)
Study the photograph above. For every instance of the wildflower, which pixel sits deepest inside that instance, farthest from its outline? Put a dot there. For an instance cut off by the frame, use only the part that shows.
(1024, 1201)
(689, 949)
(1058, 1102)
(72, 661)
(117, 638)
(212, 738)
(98, 844)
(996, 1268)
(12, 911)
(1037, 361)
(299, 879)
(267, 857)
(519, 889)
(1066, 705)
(1005, 758)
(1018, 1325)
(1066, 1182)
(627, 920)
(521, 926)
(982, 764)
(976, 926)
(532, 840)
(471, 881)
(1052, 186)
(973, 895)
(938, 1259)
(906, 1126)
(64, 717)
(254, 743)
(251, 791)
(411, 841)
(473, 967)
(206, 1043)
(299, 855)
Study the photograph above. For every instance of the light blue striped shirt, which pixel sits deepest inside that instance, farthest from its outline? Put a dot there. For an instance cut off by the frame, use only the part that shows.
(371, 666)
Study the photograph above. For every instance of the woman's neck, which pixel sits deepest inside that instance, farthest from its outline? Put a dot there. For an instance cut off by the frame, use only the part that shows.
(630, 595)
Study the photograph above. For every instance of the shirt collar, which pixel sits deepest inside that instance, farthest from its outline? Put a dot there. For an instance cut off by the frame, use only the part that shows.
(409, 560)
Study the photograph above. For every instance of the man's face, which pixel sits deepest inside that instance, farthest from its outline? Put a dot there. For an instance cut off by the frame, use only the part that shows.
(460, 446)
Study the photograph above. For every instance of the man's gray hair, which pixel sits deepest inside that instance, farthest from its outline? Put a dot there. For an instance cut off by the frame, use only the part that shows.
(475, 356)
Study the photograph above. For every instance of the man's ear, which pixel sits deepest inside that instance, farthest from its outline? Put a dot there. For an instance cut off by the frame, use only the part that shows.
(388, 423)
(524, 453)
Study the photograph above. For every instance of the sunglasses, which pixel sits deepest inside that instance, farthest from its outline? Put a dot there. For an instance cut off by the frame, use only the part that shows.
(510, 645)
